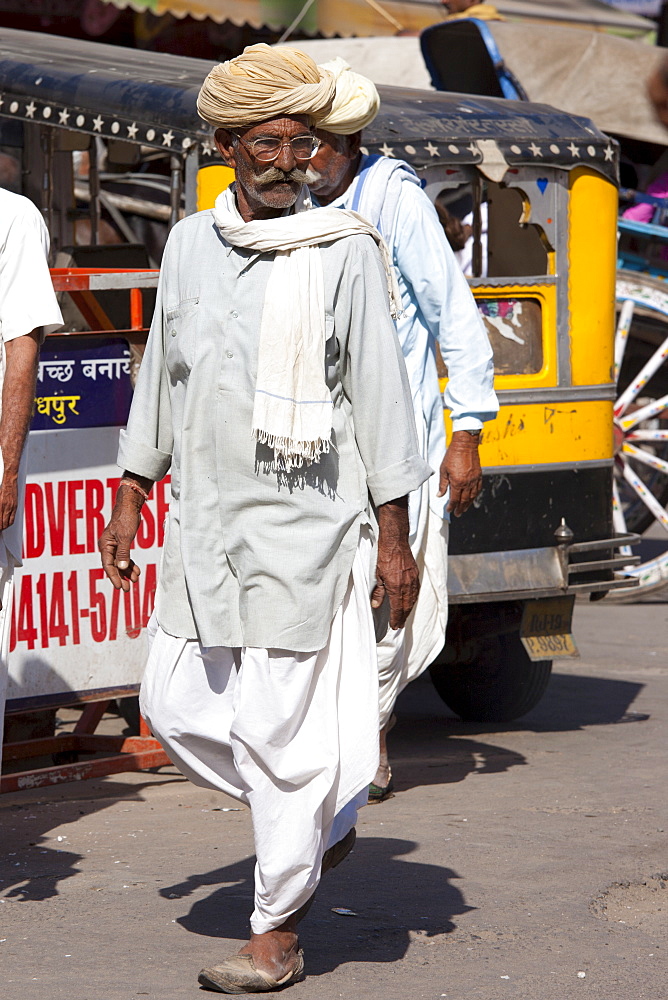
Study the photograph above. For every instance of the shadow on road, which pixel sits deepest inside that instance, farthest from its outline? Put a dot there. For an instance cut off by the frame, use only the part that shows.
(430, 746)
(571, 702)
(389, 895)
(30, 867)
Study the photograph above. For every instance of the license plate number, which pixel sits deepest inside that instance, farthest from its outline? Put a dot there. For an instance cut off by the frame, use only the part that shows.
(546, 628)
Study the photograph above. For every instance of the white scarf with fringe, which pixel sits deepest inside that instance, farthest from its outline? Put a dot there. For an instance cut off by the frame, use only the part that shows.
(292, 411)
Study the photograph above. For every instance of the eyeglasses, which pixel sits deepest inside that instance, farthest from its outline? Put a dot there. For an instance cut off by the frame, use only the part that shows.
(304, 147)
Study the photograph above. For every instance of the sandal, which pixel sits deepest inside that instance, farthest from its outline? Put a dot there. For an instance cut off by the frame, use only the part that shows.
(378, 793)
(239, 974)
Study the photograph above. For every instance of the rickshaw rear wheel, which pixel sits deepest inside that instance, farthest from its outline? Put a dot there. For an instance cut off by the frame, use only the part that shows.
(500, 683)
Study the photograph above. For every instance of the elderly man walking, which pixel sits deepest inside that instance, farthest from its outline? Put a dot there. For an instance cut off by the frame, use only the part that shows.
(438, 309)
(27, 304)
(273, 384)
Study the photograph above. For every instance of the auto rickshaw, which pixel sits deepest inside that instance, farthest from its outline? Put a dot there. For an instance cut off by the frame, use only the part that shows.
(541, 189)
(603, 77)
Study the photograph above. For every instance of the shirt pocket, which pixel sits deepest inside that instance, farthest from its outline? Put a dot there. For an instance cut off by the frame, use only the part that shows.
(181, 325)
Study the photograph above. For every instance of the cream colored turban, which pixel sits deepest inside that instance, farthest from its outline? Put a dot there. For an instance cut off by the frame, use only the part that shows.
(356, 102)
(262, 83)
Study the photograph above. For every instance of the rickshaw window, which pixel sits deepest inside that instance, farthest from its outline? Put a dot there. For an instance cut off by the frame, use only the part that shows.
(514, 249)
(481, 221)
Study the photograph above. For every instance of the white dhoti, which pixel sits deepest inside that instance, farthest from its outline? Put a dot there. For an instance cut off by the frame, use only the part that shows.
(293, 735)
(405, 653)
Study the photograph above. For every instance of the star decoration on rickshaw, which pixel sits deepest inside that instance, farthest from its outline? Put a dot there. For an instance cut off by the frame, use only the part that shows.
(387, 150)
(609, 154)
(207, 147)
(167, 138)
(536, 150)
(575, 150)
(132, 130)
(432, 149)
(31, 109)
(63, 117)
(98, 123)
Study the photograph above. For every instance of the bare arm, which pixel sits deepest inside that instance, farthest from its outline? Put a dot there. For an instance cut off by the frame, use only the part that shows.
(396, 570)
(18, 395)
(115, 541)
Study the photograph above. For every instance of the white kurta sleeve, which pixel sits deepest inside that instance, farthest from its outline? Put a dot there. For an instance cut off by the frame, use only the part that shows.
(428, 265)
(27, 298)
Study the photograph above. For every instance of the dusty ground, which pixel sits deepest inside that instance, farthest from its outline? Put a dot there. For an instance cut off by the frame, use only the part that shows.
(518, 862)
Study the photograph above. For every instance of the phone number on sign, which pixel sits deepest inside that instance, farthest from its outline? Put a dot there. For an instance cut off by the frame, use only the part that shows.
(66, 608)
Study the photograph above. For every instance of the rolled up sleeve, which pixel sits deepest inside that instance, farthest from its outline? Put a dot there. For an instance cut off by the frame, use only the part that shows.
(373, 375)
(145, 447)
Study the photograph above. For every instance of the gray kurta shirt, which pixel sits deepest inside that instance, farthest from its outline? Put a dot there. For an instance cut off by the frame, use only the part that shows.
(253, 558)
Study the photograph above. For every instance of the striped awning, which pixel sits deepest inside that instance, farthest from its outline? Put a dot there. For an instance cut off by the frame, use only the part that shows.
(364, 18)
(325, 17)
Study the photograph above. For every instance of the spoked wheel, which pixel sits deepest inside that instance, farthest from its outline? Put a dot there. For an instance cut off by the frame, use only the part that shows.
(640, 491)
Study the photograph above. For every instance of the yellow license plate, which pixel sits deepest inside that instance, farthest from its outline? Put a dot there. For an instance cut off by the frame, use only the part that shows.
(546, 628)
(546, 647)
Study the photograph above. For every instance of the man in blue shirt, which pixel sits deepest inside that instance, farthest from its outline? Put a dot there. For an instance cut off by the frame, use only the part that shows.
(439, 310)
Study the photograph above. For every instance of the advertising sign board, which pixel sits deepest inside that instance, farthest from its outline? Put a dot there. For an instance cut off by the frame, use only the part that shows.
(71, 631)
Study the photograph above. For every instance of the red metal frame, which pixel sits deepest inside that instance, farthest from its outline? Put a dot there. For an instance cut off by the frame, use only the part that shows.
(125, 753)
(133, 753)
(81, 283)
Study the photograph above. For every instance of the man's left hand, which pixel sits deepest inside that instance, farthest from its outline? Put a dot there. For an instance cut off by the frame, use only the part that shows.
(460, 470)
(9, 501)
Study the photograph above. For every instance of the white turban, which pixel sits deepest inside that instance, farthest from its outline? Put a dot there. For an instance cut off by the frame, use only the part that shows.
(356, 102)
(262, 83)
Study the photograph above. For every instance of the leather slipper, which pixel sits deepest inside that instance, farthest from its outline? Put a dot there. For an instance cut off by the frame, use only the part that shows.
(239, 974)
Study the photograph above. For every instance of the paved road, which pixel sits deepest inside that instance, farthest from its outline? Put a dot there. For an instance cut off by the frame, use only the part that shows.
(515, 862)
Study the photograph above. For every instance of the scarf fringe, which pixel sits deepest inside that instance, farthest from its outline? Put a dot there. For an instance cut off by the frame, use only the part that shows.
(289, 453)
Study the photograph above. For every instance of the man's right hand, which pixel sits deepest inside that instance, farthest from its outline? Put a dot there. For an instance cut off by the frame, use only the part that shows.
(396, 571)
(115, 541)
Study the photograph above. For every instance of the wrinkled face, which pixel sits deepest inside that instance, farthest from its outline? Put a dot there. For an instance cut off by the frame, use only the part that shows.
(333, 161)
(272, 185)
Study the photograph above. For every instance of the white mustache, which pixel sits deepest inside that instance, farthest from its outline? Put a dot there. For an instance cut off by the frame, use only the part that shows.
(273, 174)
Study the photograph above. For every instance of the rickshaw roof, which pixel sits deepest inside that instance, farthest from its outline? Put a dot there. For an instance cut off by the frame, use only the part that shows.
(149, 98)
(426, 127)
